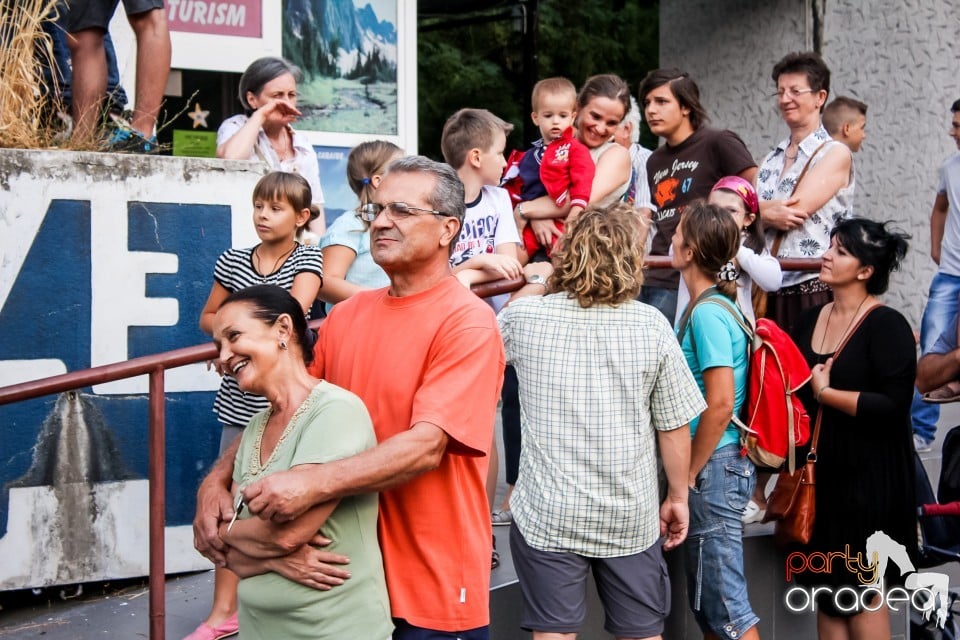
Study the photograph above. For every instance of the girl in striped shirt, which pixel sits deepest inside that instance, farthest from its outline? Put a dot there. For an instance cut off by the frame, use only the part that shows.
(282, 207)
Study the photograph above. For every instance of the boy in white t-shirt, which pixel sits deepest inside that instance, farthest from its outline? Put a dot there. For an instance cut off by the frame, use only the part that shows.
(473, 141)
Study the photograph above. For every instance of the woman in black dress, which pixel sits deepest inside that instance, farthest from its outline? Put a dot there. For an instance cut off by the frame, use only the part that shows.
(865, 453)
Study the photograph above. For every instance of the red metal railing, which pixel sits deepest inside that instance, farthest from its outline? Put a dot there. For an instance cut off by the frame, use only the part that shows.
(155, 366)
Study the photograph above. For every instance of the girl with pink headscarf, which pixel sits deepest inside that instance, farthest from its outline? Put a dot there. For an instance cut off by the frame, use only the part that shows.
(753, 265)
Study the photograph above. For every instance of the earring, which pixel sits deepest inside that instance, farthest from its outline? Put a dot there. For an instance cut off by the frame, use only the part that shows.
(283, 345)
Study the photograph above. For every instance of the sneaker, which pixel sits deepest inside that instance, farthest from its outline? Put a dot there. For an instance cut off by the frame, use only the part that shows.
(949, 392)
(501, 517)
(227, 628)
(922, 445)
(753, 513)
(124, 140)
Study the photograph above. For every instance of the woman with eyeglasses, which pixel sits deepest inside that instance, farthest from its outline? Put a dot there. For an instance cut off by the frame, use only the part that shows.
(805, 184)
(348, 264)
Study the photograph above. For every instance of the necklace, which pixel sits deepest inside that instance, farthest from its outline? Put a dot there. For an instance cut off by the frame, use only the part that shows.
(256, 257)
(283, 146)
(823, 338)
(256, 468)
(795, 153)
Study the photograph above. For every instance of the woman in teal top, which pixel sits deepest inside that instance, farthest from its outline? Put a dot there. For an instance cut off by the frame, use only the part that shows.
(721, 476)
(261, 335)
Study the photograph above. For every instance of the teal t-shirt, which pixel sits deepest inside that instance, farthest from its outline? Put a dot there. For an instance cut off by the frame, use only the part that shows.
(720, 342)
(331, 424)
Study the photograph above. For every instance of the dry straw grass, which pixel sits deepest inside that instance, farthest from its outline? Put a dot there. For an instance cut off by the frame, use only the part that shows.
(24, 53)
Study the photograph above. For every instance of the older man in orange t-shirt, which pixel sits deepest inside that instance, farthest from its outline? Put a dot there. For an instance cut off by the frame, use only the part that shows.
(426, 357)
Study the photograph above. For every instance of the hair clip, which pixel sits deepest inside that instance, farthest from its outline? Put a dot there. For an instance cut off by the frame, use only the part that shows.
(728, 272)
(365, 181)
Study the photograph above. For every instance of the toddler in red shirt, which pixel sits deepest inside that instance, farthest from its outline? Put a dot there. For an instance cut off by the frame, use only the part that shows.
(558, 165)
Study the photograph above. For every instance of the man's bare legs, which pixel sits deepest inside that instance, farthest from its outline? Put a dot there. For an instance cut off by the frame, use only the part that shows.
(153, 67)
(89, 61)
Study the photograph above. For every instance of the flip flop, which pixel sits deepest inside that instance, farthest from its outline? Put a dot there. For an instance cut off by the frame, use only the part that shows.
(949, 392)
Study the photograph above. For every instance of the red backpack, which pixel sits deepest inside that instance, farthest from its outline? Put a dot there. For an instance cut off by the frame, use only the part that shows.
(773, 421)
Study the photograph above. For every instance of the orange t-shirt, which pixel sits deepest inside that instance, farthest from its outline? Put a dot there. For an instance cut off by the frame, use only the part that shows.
(435, 357)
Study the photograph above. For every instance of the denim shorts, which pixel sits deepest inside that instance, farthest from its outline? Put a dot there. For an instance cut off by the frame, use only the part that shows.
(716, 586)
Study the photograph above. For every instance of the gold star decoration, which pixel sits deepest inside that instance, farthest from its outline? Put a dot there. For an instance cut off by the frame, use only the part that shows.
(199, 116)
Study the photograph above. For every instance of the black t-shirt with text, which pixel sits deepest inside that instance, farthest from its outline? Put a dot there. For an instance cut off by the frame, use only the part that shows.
(681, 174)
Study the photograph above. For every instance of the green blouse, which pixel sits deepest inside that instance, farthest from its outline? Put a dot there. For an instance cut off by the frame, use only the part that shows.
(331, 424)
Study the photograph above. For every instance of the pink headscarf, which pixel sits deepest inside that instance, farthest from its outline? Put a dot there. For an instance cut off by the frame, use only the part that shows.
(742, 188)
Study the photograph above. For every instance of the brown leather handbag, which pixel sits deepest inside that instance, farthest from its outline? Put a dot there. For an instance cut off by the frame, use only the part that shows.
(792, 505)
(793, 501)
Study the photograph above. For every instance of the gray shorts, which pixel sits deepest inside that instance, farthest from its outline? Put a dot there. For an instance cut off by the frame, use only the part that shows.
(96, 14)
(634, 590)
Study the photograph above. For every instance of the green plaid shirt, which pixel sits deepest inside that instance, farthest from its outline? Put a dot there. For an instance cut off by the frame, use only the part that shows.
(595, 386)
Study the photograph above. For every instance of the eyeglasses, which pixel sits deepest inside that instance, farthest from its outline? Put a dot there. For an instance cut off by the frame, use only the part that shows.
(790, 93)
(395, 211)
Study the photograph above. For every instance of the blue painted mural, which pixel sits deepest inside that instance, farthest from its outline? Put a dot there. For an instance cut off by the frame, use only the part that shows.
(102, 265)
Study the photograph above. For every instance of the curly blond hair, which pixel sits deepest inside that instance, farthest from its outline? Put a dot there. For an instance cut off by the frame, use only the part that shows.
(599, 260)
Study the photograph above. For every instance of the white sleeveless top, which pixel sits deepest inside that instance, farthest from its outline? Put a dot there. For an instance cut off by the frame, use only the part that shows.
(616, 194)
(812, 239)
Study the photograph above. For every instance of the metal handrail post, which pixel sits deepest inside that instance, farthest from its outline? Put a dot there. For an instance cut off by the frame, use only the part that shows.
(158, 505)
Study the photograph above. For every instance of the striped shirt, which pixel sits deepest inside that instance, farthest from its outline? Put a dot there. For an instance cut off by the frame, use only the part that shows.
(234, 271)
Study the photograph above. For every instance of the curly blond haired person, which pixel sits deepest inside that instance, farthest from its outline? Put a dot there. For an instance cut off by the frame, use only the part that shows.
(602, 383)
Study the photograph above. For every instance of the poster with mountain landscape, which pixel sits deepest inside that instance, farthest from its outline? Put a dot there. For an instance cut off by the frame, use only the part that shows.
(347, 50)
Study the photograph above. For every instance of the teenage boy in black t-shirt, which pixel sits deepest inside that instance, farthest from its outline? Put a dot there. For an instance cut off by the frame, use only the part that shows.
(682, 170)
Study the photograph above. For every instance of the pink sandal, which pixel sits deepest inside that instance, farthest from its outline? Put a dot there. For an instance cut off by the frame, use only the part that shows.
(227, 628)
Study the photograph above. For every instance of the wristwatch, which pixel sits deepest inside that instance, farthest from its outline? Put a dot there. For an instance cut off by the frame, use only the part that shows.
(537, 279)
(520, 211)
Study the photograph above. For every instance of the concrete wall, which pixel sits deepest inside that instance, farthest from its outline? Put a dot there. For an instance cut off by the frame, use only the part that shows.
(105, 257)
(729, 47)
(898, 56)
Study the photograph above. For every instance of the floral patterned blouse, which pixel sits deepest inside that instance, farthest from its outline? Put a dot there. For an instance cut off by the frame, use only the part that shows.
(813, 238)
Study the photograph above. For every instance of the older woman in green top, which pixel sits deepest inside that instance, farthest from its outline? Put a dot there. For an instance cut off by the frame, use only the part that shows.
(263, 339)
